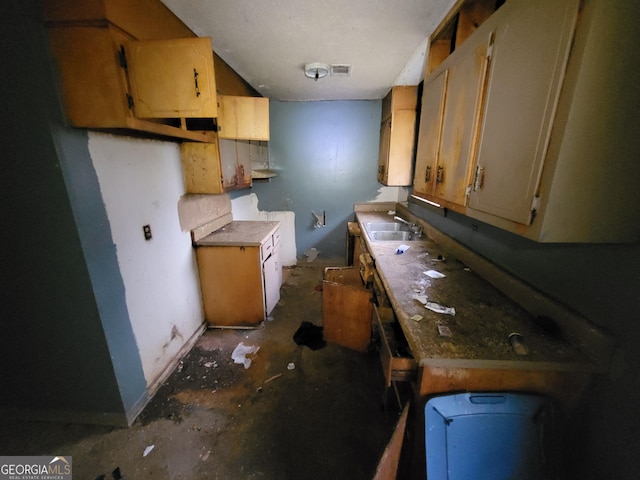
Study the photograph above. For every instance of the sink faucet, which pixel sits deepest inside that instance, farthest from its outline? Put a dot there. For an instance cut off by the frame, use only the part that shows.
(413, 227)
(403, 221)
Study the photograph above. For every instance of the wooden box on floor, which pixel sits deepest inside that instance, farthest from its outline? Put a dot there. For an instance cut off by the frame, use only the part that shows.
(346, 308)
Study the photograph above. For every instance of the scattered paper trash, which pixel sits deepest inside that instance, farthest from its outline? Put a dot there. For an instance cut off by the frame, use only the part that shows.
(147, 450)
(417, 318)
(402, 248)
(444, 331)
(422, 255)
(421, 298)
(436, 307)
(291, 366)
(211, 364)
(239, 354)
(434, 274)
(391, 212)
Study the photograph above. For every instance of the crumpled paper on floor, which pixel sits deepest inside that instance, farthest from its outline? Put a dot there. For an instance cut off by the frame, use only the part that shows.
(239, 354)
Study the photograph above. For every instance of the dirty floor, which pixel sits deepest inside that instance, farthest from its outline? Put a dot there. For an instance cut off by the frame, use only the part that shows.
(295, 413)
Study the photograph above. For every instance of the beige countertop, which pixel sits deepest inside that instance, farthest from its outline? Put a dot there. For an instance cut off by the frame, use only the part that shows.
(484, 317)
(240, 233)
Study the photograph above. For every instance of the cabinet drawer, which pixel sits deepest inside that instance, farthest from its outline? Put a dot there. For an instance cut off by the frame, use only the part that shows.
(266, 249)
(276, 238)
(398, 364)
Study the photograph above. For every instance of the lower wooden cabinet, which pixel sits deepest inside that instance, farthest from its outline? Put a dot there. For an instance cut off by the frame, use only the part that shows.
(240, 284)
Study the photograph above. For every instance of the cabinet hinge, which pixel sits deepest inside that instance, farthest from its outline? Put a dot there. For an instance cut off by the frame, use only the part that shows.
(478, 178)
(129, 101)
(122, 57)
(535, 206)
(490, 46)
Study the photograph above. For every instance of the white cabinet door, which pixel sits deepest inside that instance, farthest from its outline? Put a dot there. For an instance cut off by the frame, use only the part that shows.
(271, 274)
(530, 53)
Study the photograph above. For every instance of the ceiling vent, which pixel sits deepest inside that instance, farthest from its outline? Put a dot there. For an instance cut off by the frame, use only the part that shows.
(341, 70)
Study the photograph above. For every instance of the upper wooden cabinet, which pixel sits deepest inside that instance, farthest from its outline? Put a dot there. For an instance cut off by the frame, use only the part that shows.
(551, 158)
(243, 118)
(172, 78)
(220, 166)
(397, 136)
(452, 104)
(433, 96)
(122, 66)
(456, 28)
(201, 167)
(520, 107)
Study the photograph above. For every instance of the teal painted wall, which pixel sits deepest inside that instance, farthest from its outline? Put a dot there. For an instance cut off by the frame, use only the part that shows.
(326, 157)
(67, 344)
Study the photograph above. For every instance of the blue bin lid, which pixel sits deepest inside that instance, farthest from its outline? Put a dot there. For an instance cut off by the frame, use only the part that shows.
(487, 436)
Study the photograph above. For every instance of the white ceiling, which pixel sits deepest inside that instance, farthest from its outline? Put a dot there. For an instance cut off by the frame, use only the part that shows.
(268, 42)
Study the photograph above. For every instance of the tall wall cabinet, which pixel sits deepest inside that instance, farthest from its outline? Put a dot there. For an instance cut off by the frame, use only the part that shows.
(397, 136)
(496, 113)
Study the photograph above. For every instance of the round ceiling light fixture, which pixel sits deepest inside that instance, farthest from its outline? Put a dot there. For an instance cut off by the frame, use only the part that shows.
(316, 70)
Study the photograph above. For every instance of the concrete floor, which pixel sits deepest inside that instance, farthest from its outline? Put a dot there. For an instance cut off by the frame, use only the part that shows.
(213, 419)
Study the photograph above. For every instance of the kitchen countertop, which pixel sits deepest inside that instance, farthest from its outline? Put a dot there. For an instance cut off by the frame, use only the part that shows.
(240, 233)
(484, 317)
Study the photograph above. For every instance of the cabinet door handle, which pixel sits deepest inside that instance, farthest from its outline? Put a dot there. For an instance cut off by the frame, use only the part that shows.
(427, 174)
(439, 174)
(479, 178)
(195, 80)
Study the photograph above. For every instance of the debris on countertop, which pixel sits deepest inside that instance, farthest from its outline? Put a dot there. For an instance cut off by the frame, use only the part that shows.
(480, 317)
(436, 307)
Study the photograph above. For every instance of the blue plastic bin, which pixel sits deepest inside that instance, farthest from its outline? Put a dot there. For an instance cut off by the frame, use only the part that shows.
(487, 436)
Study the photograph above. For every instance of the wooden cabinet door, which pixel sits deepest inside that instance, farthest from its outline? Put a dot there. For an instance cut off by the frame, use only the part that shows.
(231, 284)
(383, 154)
(243, 118)
(92, 81)
(201, 167)
(433, 97)
(464, 94)
(172, 78)
(401, 148)
(397, 136)
(530, 53)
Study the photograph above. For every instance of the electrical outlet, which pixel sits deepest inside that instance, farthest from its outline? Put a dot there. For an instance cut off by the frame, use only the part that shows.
(147, 232)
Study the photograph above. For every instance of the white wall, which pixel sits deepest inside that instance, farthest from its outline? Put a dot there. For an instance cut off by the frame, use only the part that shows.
(246, 208)
(141, 182)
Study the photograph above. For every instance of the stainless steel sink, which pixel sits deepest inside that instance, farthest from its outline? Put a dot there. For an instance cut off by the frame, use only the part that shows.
(382, 235)
(386, 227)
(388, 231)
